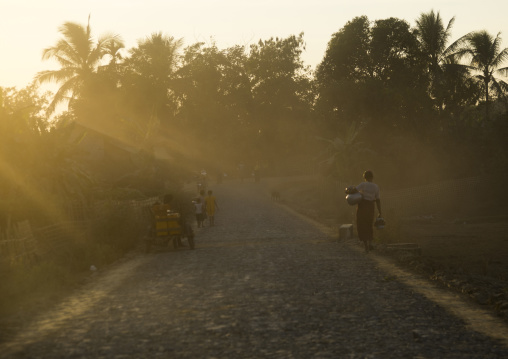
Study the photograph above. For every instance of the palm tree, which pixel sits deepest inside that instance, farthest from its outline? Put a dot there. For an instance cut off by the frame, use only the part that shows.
(150, 72)
(484, 58)
(433, 37)
(113, 48)
(79, 56)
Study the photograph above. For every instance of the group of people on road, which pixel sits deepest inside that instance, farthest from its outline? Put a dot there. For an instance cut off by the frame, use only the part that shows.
(205, 207)
(243, 172)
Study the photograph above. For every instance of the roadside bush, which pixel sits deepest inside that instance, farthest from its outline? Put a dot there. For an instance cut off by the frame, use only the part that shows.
(117, 226)
(114, 231)
(80, 255)
(25, 284)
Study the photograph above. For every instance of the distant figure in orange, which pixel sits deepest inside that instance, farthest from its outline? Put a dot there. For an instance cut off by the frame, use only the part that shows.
(366, 208)
(211, 207)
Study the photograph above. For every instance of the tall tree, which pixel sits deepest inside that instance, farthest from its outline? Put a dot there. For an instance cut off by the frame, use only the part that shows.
(433, 37)
(371, 72)
(37, 167)
(449, 84)
(343, 71)
(150, 75)
(398, 95)
(79, 56)
(347, 54)
(213, 90)
(394, 52)
(485, 58)
(282, 96)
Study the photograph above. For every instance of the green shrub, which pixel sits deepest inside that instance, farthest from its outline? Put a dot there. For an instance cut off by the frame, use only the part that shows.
(118, 227)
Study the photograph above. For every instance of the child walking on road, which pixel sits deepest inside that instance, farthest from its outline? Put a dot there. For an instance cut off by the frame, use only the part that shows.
(198, 210)
(211, 205)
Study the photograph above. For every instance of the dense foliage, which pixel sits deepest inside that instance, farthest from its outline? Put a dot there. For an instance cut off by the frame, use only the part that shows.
(387, 95)
(417, 107)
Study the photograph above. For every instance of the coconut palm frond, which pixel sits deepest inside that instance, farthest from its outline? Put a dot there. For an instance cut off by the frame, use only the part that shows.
(500, 87)
(79, 38)
(65, 48)
(503, 71)
(458, 46)
(433, 35)
(112, 49)
(79, 56)
(56, 76)
(64, 94)
(500, 58)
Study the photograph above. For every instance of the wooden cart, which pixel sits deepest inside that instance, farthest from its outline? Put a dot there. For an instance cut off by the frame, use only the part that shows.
(168, 227)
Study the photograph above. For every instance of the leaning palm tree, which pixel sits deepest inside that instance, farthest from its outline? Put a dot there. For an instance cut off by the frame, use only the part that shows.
(79, 55)
(485, 58)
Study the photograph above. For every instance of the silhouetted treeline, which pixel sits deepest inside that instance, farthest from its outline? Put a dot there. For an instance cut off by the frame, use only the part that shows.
(398, 99)
(423, 108)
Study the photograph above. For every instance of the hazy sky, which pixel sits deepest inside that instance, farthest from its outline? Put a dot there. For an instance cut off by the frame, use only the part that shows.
(29, 26)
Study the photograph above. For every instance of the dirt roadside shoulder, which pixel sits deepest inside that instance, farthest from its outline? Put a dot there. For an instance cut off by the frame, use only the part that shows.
(443, 266)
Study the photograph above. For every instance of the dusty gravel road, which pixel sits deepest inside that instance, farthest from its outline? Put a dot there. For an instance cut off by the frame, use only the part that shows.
(262, 283)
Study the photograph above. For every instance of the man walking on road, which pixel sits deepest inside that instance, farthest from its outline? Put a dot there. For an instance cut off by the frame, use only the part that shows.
(366, 208)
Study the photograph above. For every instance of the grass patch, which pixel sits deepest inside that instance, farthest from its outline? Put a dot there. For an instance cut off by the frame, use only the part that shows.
(29, 287)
